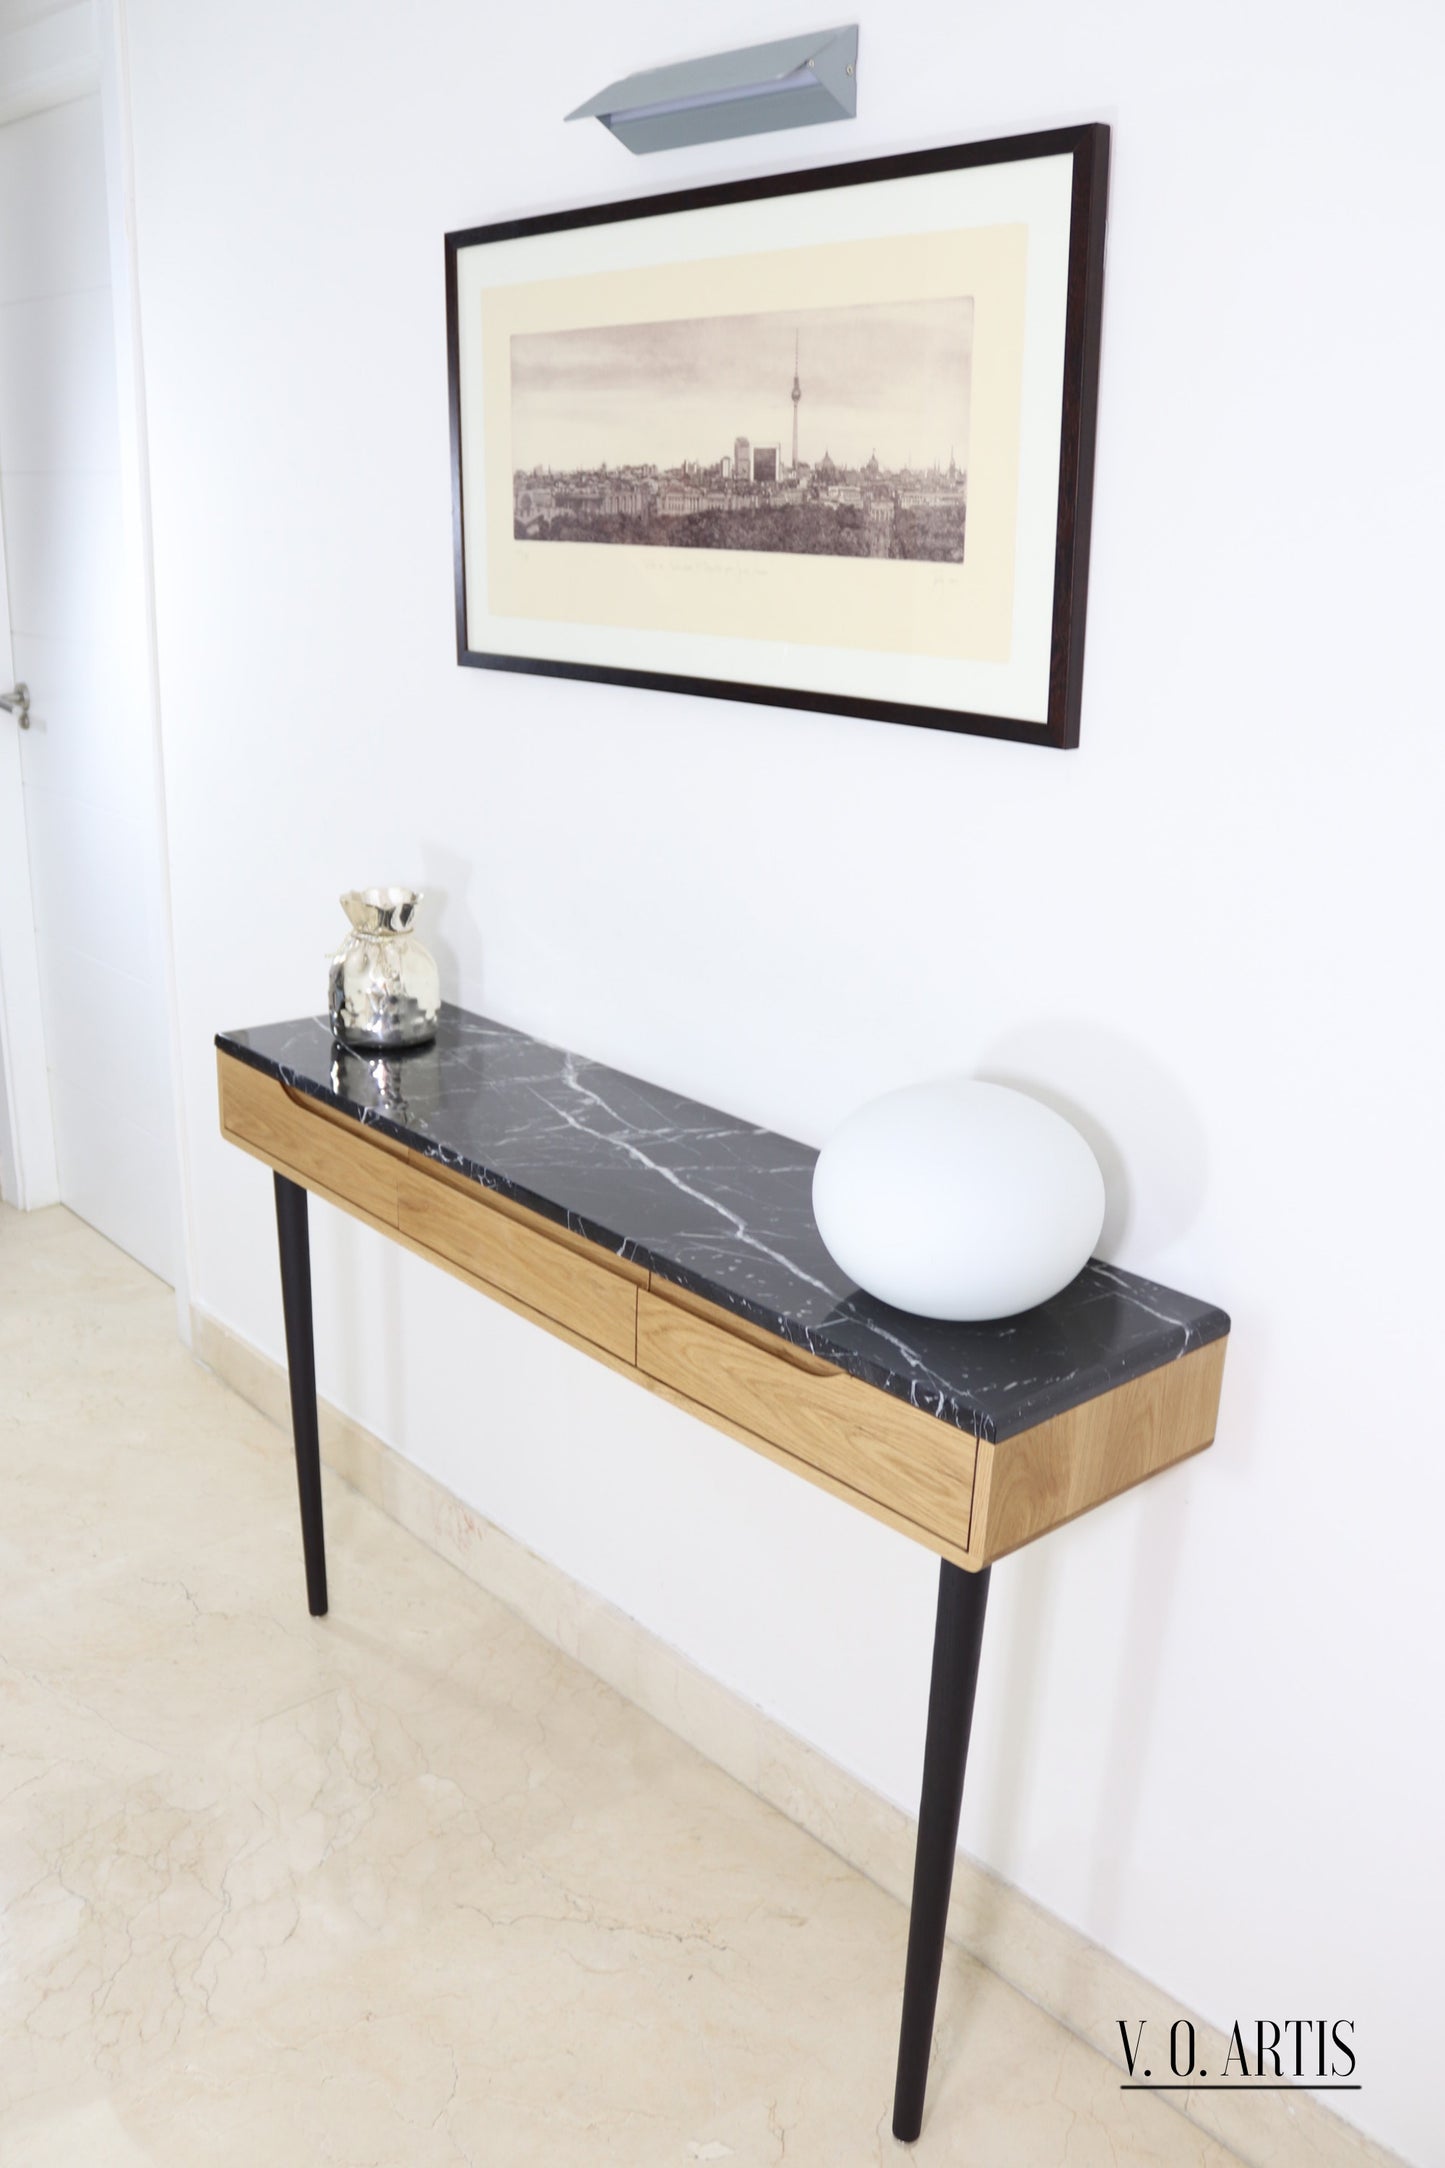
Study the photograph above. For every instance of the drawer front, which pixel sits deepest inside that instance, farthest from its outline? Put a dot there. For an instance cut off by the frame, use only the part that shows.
(917, 1468)
(335, 1156)
(464, 1229)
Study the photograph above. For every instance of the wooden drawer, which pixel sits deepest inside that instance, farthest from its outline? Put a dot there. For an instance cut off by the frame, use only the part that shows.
(560, 1280)
(464, 1229)
(323, 1151)
(972, 1501)
(919, 1470)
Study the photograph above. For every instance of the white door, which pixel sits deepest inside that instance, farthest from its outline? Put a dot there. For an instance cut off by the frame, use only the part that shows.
(85, 770)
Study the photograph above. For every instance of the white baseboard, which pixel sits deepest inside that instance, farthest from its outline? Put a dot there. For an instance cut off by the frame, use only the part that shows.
(1056, 1967)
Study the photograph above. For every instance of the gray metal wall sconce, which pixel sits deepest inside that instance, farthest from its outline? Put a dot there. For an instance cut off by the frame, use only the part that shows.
(790, 83)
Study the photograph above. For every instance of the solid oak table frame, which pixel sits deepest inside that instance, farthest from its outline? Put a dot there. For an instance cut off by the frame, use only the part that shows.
(968, 1499)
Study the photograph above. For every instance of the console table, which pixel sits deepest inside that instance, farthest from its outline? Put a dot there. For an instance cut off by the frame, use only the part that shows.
(677, 1245)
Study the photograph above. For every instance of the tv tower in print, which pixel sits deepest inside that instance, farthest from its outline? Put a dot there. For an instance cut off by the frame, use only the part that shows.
(797, 395)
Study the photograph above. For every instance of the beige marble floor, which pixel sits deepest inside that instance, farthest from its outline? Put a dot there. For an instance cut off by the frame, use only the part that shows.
(404, 1885)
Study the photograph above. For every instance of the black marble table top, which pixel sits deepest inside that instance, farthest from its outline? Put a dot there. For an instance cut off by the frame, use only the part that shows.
(719, 1206)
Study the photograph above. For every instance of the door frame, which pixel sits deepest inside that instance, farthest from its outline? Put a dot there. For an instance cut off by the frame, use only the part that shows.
(28, 1176)
(73, 52)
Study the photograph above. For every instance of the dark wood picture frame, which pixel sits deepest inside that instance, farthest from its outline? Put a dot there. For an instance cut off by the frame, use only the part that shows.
(1088, 147)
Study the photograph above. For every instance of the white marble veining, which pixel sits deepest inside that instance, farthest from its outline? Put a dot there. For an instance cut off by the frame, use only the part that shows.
(721, 1206)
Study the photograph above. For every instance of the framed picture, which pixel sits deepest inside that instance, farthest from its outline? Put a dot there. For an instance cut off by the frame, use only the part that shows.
(818, 440)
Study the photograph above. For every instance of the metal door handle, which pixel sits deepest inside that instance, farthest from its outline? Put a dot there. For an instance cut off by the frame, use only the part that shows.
(18, 704)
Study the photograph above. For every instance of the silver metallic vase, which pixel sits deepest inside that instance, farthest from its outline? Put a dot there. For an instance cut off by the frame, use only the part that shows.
(385, 989)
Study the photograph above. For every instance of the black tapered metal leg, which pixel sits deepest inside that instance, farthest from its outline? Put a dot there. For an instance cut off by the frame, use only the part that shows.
(295, 1245)
(957, 1639)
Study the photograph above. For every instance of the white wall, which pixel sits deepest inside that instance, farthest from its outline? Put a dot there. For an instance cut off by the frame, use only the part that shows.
(1209, 1721)
(49, 54)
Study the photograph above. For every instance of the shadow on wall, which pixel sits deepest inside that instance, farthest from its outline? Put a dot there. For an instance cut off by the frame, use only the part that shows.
(447, 925)
(1151, 1145)
(1136, 1116)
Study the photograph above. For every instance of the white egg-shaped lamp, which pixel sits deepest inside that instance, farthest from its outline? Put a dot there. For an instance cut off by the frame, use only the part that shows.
(959, 1200)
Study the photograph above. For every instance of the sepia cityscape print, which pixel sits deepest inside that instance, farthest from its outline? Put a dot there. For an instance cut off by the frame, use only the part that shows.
(839, 432)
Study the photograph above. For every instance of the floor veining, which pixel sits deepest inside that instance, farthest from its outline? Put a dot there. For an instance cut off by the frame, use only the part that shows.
(404, 1885)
